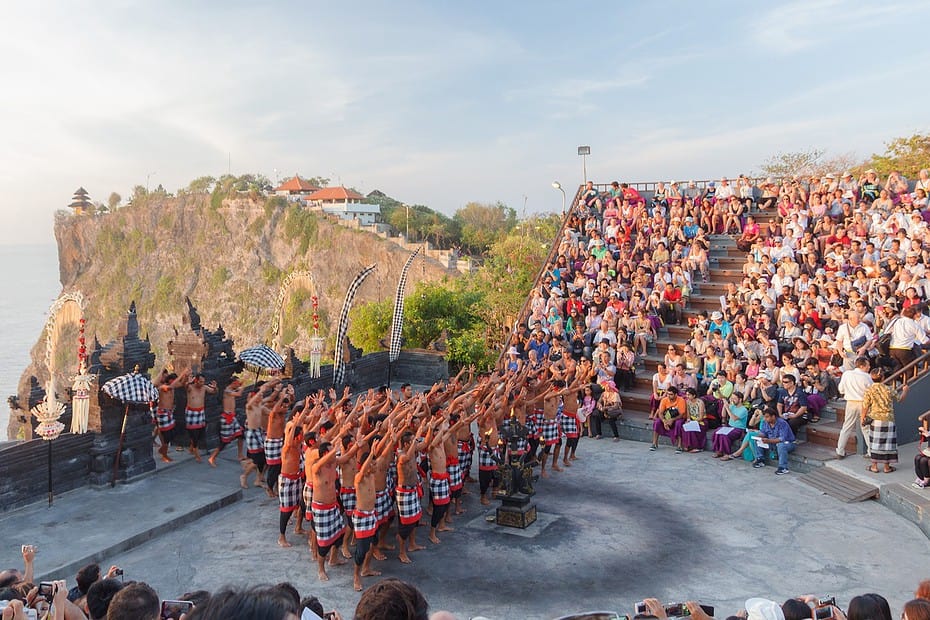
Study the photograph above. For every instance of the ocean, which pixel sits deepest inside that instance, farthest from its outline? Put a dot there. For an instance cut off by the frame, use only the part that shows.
(30, 278)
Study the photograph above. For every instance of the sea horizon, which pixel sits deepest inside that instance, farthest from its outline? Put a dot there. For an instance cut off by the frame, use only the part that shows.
(31, 281)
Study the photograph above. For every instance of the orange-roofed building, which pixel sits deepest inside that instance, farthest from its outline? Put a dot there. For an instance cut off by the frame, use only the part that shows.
(296, 187)
(344, 203)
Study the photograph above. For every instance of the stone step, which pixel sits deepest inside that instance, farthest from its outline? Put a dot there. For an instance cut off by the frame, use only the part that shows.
(827, 434)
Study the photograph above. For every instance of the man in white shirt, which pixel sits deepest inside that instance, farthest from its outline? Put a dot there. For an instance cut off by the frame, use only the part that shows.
(852, 386)
(905, 333)
(853, 340)
(725, 191)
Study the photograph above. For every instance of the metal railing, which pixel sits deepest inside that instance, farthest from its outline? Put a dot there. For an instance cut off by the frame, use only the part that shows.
(550, 258)
(650, 186)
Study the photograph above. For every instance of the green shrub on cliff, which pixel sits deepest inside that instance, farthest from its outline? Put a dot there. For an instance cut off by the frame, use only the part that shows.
(300, 224)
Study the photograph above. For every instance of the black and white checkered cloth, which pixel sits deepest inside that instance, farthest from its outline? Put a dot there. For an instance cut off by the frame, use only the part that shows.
(254, 440)
(550, 432)
(883, 438)
(229, 427)
(195, 418)
(466, 450)
(327, 523)
(131, 388)
(397, 323)
(486, 456)
(439, 488)
(339, 365)
(455, 473)
(289, 488)
(409, 508)
(164, 418)
(308, 494)
(261, 358)
(569, 425)
(384, 506)
(365, 523)
(273, 448)
(348, 499)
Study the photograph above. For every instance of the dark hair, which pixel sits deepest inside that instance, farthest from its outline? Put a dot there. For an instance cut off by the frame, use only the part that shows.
(324, 448)
(392, 599)
(289, 589)
(255, 604)
(137, 601)
(99, 595)
(199, 598)
(9, 594)
(917, 609)
(313, 604)
(868, 607)
(86, 577)
(796, 610)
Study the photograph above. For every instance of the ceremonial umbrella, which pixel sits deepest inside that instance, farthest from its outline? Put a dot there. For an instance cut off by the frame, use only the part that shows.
(132, 388)
(261, 358)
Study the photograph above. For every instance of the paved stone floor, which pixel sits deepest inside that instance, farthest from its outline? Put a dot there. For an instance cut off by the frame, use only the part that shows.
(622, 524)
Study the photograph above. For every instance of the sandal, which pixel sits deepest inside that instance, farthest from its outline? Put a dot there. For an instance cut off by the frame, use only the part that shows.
(872, 469)
(890, 469)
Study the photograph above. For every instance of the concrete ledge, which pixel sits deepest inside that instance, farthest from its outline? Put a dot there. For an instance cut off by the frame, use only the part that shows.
(912, 504)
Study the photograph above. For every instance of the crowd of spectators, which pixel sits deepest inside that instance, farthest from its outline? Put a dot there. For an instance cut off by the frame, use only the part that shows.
(106, 596)
(835, 272)
(97, 596)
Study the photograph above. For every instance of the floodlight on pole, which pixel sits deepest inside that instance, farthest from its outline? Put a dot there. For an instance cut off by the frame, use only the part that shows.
(558, 186)
(584, 151)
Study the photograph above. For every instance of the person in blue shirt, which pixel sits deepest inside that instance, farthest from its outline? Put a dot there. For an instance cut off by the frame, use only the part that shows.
(775, 433)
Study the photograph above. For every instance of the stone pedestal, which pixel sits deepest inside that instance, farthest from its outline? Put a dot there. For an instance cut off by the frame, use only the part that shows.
(516, 511)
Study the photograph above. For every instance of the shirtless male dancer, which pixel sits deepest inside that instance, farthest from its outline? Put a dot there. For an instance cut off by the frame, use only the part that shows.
(229, 426)
(166, 383)
(290, 480)
(365, 516)
(409, 491)
(328, 523)
(274, 440)
(255, 434)
(196, 419)
(570, 422)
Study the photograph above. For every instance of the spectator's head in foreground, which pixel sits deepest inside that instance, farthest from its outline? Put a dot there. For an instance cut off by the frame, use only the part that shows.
(868, 607)
(275, 603)
(392, 599)
(99, 595)
(137, 601)
(918, 609)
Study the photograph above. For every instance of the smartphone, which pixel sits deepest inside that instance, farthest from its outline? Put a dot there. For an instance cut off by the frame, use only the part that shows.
(172, 610)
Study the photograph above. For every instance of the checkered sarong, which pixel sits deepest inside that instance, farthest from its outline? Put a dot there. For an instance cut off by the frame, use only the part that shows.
(273, 449)
(195, 417)
(308, 494)
(569, 424)
(550, 432)
(289, 487)
(384, 506)
(348, 499)
(883, 441)
(486, 460)
(466, 450)
(534, 424)
(327, 523)
(365, 523)
(229, 427)
(254, 440)
(165, 419)
(408, 505)
(439, 488)
(455, 473)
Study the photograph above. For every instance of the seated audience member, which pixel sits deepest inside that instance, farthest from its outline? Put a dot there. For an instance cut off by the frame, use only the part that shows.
(274, 603)
(775, 433)
(917, 609)
(868, 607)
(670, 417)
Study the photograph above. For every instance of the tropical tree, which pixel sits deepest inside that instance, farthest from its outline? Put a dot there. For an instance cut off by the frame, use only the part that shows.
(113, 201)
(906, 155)
(370, 323)
(483, 224)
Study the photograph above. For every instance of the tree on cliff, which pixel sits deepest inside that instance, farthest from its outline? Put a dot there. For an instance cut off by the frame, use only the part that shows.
(907, 155)
(113, 201)
(483, 224)
(811, 162)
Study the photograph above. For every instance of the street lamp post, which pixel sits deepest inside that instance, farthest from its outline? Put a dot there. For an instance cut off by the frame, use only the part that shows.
(558, 186)
(407, 224)
(584, 151)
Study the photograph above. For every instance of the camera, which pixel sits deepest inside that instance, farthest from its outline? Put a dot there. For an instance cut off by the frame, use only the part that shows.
(47, 589)
(118, 572)
(172, 610)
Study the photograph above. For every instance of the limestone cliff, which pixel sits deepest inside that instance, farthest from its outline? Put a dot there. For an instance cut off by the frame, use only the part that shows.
(230, 257)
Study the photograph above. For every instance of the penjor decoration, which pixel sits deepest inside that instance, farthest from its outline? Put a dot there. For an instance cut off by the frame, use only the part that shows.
(81, 388)
(339, 368)
(397, 323)
(316, 341)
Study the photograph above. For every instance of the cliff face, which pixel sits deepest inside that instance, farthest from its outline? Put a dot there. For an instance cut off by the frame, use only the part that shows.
(230, 258)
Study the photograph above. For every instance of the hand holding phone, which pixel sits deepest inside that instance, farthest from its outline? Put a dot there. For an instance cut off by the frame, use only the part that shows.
(173, 610)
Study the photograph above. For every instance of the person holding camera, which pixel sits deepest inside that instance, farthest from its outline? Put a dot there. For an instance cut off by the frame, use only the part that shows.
(792, 403)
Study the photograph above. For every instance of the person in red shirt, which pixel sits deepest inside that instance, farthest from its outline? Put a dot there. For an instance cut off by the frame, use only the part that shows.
(670, 304)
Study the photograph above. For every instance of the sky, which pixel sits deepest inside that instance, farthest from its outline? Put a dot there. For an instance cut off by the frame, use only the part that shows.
(440, 103)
